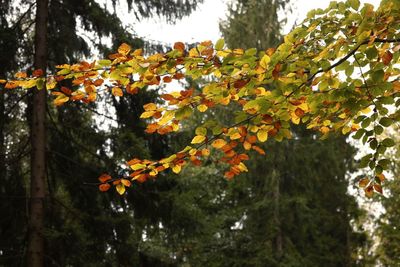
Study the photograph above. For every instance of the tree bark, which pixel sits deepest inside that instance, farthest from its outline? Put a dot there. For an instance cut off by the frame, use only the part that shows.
(38, 144)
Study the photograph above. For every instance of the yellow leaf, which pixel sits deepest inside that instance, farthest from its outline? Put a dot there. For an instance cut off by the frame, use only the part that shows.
(198, 139)
(138, 166)
(327, 122)
(192, 151)
(51, 84)
(150, 106)
(120, 188)
(242, 167)
(346, 129)
(202, 108)
(116, 91)
(168, 115)
(218, 143)
(366, 110)
(235, 135)
(262, 135)
(61, 99)
(124, 49)
(295, 119)
(177, 169)
(264, 61)
(205, 152)
(147, 114)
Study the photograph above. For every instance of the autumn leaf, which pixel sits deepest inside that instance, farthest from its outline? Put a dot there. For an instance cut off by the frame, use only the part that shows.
(104, 178)
(177, 169)
(126, 182)
(202, 108)
(179, 46)
(116, 91)
(124, 49)
(60, 100)
(262, 135)
(369, 191)
(218, 143)
(198, 139)
(37, 73)
(363, 182)
(387, 57)
(378, 188)
(120, 188)
(104, 187)
(259, 150)
(21, 75)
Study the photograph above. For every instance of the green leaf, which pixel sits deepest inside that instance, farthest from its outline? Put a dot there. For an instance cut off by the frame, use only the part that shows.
(183, 113)
(365, 160)
(378, 130)
(381, 149)
(388, 142)
(219, 45)
(251, 52)
(384, 163)
(359, 134)
(378, 169)
(373, 144)
(377, 76)
(104, 62)
(40, 83)
(385, 121)
(201, 131)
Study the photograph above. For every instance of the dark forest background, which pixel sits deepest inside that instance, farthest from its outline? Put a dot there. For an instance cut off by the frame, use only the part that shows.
(291, 209)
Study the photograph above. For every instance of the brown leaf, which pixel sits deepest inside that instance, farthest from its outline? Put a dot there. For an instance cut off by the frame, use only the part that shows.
(378, 188)
(387, 57)
(179, 46)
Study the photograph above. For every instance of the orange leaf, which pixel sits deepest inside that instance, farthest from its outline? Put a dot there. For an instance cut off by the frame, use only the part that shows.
(116, 91)
(126, 182)
(98, 82)
(11, 85)
(104, 187)
(124, 49)
(66, 90)
(20, 75)
(104, 178)
(259, 150)
(363, 182)
(178, 76)
(167, 79)
(37, 73)
(229, 175)
(218, 143)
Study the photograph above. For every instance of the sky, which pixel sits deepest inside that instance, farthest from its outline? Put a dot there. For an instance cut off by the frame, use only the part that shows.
(202, 24)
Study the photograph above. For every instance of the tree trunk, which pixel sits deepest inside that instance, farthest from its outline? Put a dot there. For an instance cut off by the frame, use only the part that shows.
(277, 217)
(38, 144)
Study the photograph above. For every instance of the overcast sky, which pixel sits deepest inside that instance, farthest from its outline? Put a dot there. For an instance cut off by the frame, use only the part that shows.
(203, 24)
